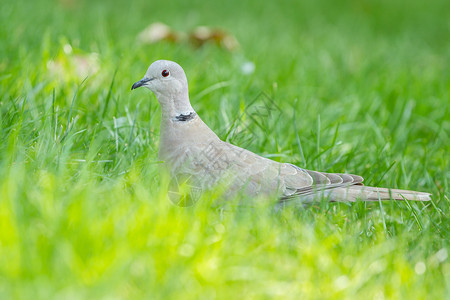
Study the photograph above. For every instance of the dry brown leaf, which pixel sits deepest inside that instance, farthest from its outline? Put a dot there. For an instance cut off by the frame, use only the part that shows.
(204, 34)
(156, 32)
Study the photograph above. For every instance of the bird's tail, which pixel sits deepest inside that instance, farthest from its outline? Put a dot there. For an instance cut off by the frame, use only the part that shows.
(367, 193)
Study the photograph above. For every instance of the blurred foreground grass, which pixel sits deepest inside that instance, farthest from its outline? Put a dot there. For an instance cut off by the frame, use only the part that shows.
(84, 215)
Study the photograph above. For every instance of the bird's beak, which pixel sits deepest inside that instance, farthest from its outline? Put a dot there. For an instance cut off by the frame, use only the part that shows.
(141, 82)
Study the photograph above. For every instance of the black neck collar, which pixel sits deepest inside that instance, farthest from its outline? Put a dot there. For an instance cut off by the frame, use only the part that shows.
(185, 117)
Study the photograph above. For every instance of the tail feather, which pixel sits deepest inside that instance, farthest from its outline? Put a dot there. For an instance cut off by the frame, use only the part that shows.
(368, 193)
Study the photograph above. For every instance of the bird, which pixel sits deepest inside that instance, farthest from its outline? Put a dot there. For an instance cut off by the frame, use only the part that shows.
(196, 157)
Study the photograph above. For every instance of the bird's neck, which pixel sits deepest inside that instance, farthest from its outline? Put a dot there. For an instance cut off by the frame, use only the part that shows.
(175, 107)
(181, 128)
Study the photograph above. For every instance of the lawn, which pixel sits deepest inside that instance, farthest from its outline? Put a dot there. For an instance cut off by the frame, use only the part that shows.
(355, 86)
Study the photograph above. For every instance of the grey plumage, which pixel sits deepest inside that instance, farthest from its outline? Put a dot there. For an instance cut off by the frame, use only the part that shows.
(192, 151)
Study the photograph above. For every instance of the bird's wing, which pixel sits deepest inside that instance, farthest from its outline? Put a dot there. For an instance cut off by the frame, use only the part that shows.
(238, 169)
(213, 163)
(266, 175)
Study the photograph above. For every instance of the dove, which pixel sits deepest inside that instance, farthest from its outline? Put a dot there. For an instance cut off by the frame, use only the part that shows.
(193, 153)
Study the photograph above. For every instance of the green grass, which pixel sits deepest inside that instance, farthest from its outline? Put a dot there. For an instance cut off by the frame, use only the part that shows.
(355, 86)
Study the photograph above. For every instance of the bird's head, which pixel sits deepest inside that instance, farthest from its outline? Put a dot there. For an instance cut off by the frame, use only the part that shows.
(164, 78)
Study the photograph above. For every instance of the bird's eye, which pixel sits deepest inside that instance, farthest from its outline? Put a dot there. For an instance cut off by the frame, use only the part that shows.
(165, 73)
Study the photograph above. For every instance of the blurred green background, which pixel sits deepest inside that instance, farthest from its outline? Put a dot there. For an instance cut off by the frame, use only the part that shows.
(353, 86)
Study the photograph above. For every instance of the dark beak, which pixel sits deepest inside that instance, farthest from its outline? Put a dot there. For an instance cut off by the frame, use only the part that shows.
(141, 83)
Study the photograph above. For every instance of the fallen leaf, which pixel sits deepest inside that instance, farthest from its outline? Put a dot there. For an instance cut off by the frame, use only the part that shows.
(157, 32)
(203, 34)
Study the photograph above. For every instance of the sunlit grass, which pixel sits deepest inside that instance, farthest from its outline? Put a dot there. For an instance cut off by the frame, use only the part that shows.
(354, 87)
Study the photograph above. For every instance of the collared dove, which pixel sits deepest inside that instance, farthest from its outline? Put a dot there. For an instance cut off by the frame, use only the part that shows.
(190, 149)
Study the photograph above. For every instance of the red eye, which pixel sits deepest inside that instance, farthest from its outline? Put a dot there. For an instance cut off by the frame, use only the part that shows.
(165, 73)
